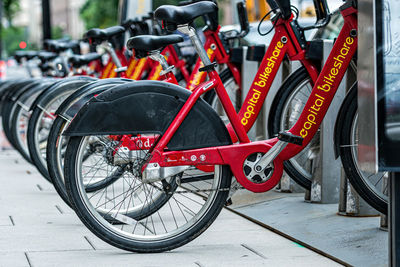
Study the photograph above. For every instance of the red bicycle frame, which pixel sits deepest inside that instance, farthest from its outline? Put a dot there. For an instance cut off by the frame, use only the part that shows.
(307, 125)
(216, 52)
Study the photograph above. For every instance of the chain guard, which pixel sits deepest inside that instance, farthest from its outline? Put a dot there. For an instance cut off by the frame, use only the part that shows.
(237, 157)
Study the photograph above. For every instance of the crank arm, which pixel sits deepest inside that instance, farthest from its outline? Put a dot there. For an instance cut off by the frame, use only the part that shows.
(284, 138)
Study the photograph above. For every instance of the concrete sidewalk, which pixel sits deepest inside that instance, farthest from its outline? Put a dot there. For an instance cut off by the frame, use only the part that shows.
(38, 229)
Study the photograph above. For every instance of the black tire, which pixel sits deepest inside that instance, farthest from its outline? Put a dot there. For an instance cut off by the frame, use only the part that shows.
(21, 109)
(14, 132)
(285, 92)
(46, 104)
(38, 157)
(360, 181)
(34, 151)
(9, 105)
(8, 109)
(52, 163)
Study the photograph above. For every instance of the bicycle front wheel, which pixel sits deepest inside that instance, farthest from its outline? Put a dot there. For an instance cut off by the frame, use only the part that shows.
(286, 109)
(369, 186)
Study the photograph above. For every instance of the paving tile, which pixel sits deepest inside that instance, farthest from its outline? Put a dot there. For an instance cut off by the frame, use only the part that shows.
(13, 259)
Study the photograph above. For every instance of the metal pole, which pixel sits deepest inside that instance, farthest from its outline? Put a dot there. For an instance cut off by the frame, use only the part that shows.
(394, 218)
(46, 12)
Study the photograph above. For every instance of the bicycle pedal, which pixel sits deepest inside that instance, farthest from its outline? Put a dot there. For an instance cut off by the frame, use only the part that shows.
(290, 138)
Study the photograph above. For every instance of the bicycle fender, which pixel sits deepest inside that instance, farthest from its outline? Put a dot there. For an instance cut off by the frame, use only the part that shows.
(26, 98)
(340, 120)
(64, 84)
(76, 100)
(150, 107)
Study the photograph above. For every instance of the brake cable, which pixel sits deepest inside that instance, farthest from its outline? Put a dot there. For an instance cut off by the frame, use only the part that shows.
(294, 9)
(262, 20)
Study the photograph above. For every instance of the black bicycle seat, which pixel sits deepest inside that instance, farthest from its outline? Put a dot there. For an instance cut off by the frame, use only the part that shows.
(45, 56)
(57, 46)
(149, 43)
(104, 34)
(184, 14)
(25, 54)
(81, 60)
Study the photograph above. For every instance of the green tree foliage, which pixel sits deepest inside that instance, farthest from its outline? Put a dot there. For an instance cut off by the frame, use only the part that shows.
(11, 38)
(10, 9)
(57, 32)
(99, 14)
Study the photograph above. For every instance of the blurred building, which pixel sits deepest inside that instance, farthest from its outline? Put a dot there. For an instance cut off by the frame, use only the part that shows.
(256, 9)
(65, 16)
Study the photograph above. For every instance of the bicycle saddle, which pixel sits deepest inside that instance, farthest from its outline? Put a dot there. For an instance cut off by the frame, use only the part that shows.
(46, 56)
(149, 43)
(48, 42)
(25, 54)
(184, 14)
(104, 34)
(57, 46)
(81, 60)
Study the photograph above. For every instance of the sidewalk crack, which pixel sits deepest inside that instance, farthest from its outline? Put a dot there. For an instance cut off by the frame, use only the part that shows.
(27, 258)
(12, 220)
(254, 251)
(90, 243)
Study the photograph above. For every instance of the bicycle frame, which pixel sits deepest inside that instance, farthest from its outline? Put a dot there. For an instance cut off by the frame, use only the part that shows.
(307, 125)
(216, 52)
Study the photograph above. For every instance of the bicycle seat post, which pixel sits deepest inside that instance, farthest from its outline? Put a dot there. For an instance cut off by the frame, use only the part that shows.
(194, 38)
(156, 56)
(110, 49)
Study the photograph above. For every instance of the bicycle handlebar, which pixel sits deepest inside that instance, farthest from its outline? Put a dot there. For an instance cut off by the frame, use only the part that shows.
(243, 19)
(322, 13)
(320, 6)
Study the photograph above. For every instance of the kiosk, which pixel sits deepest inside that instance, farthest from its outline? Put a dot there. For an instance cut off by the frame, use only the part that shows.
(379, 102)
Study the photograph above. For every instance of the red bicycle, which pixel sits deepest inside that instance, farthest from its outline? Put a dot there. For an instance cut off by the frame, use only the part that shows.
(178, 170)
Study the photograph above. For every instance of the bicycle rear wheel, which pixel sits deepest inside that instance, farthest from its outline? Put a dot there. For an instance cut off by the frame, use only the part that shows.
(133, 213)
(116, 213)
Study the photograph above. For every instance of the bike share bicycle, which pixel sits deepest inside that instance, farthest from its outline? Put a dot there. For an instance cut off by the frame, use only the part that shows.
(178, 139)
(215, 49)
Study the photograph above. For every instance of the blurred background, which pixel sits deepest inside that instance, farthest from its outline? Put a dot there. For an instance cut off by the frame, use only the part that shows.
(25, 23)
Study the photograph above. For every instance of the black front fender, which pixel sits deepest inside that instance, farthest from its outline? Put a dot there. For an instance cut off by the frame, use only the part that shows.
(150, 107)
